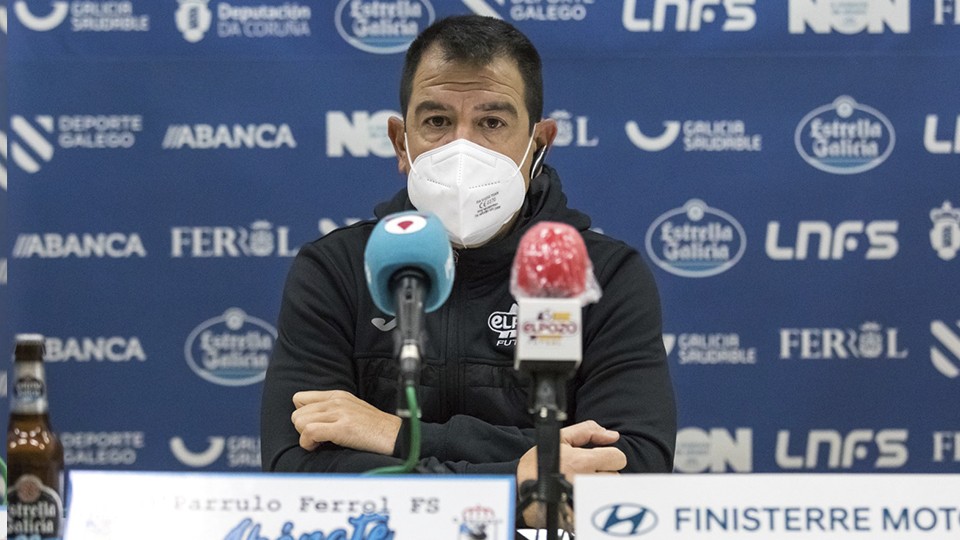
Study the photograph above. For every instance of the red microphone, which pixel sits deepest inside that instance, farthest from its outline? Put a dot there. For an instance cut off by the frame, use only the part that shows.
(551, 278)
(551, 262)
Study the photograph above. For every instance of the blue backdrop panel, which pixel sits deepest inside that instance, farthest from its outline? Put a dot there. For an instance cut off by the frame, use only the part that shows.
(790, 171)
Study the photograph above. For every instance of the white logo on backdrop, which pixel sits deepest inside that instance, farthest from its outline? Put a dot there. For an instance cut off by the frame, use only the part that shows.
(844, 137)
(698, 136)
(288, 20)
(98, 349)
(240, 451)
(945, 234)
(193, 19)
(232, 349)
(938, 146)
(114, 245)
(260, 239)
(710, 349)
(361, 134)
(655, 143)
(236, 136)
(689, 15)
(882, 449)
(85, 16)
(849, 16)
(204, 458)
(871, 340)
(715, 451)
(41, 23)
(382, 26)
(572, 130)
(696, 240)
(942, 10)
(945, 354)
(945, 443)
(532, 10)
(35, 147)
(102, 448)
(834, 242)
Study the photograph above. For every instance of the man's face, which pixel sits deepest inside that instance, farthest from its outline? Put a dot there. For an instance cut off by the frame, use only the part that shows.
(484, 105)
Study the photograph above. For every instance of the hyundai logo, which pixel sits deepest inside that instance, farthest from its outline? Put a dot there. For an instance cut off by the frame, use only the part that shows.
(624, 519)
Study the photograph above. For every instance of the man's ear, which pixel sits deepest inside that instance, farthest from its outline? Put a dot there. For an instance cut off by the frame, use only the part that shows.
(395, 132)
(543, 136)
(545, 132)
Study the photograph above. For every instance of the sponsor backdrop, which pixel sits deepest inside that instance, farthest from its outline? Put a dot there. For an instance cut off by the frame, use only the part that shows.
(790, 170)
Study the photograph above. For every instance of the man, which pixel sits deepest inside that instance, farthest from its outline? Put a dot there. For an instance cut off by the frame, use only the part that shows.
(471, 94)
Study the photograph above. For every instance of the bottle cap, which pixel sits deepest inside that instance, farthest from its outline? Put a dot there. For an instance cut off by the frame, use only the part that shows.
(29, 338)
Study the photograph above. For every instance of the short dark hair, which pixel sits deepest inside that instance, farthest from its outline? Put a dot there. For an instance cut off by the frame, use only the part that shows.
(478, 40)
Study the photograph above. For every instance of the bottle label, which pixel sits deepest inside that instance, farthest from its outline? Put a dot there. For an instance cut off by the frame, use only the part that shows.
(34, 511)
(29, 389)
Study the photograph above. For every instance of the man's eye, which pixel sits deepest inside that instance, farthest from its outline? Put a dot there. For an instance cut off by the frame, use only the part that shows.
(436, 121)
(492, 123)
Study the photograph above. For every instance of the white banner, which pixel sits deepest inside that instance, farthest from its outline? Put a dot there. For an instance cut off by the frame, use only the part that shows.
(186, 506)
(771, 507)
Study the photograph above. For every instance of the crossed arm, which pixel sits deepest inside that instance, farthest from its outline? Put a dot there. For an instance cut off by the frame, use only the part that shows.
(339, 417)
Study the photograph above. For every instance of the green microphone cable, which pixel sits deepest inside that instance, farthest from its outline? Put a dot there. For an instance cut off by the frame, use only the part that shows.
(414, 456)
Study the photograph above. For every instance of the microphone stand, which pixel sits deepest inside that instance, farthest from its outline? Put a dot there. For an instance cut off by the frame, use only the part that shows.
(409, 293)
(549, 412)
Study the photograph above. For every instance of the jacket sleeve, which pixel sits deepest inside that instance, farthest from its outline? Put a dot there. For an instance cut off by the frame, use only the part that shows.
(313, 351)
(624, 381)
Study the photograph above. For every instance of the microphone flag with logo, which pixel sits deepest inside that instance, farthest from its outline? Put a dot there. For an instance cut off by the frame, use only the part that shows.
(409, 241)
(552, 279)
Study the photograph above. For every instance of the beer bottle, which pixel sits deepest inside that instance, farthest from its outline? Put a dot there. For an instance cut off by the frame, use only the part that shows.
(34, 453)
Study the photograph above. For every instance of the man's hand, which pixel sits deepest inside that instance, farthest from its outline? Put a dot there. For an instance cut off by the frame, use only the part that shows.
(341, 418)
(574, 459)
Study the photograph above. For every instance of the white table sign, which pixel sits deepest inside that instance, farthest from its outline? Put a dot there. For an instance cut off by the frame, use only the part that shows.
(769, 506)
(223, 506)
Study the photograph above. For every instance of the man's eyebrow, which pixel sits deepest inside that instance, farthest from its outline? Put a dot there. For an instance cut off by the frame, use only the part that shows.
(498, 106)
(429, 106)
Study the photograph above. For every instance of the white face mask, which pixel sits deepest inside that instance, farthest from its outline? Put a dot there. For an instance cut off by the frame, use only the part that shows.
(473, 190)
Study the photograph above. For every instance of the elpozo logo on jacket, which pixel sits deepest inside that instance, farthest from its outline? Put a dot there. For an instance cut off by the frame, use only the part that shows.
(696, 241)
(845, 137)
(232, 349)
(84, 16)
(288, 20)
(382, 26)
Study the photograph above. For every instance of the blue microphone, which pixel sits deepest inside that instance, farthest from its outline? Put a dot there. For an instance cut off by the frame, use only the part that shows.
(408, 241)
(409, 268)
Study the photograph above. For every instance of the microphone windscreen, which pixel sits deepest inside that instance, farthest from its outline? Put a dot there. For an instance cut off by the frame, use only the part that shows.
(409, 240)
(551, 262)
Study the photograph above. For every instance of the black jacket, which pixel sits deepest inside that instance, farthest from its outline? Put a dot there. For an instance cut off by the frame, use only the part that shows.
(474, 405)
